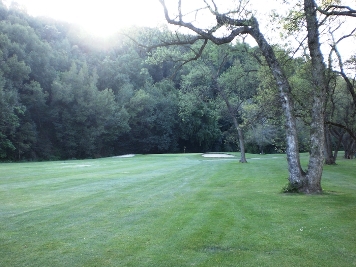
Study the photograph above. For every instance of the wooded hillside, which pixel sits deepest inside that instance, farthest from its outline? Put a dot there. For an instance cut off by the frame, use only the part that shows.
(64, 94)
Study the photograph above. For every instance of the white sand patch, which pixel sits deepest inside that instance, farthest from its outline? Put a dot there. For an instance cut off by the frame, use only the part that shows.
(72, 165)
(82, 165)
(267, 158)
(217, 155)
(125, 156)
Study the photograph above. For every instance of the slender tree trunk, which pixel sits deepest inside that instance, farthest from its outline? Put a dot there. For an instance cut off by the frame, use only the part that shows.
(316, 161)
(241, 140)
(330, 156)
(330, 159)
(337, 148)
(234, 119)
(296, 174)
(349, 145)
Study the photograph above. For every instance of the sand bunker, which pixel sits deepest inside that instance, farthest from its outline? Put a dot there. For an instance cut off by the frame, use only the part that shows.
(125, 156)
(82, 165)
(72, 165)
(217, 155)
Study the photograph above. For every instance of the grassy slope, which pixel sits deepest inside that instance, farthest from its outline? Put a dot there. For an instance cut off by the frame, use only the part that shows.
(173, 210)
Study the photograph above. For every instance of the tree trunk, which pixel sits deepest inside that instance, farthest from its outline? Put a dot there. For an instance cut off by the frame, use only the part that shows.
(349, 145)
(241, 140)
(316, 161)
(329, 157)
(296, 174)
(309, 182)
(338, 145)
(234, 119)
(300, 181)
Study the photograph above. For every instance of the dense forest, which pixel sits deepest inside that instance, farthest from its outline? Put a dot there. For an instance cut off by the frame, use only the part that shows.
(65, 94)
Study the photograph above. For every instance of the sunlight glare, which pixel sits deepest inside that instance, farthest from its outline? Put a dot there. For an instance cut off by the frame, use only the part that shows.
(101, 18)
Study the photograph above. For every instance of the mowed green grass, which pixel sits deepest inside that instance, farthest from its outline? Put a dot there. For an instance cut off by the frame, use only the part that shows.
(174, 210)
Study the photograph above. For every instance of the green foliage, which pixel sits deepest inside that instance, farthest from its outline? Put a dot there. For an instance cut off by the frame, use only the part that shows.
(223, 79)
(10, 110)
(153, 122)
(199, 120)
(198, 108)
(85, 118)
(289, 188)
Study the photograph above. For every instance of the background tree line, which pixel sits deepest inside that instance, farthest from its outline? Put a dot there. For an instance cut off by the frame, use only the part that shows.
(65, 95)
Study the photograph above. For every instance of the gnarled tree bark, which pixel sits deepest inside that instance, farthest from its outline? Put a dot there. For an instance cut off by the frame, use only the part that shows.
(317, 136)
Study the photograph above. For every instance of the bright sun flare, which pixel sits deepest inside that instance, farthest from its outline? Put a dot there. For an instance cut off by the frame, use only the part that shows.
(101, 18)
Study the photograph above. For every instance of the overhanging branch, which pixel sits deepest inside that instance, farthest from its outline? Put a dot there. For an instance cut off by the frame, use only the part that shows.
(174, 42)
(197, 55)
(336, 10)
(243, 26)
(348, 130)
(350, 85)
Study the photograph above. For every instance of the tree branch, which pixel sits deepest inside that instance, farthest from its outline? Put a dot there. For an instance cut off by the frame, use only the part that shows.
(197, 55)
(176, 41)
(337, 10)
(243, 26)
(348, 130)
(350, 85)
